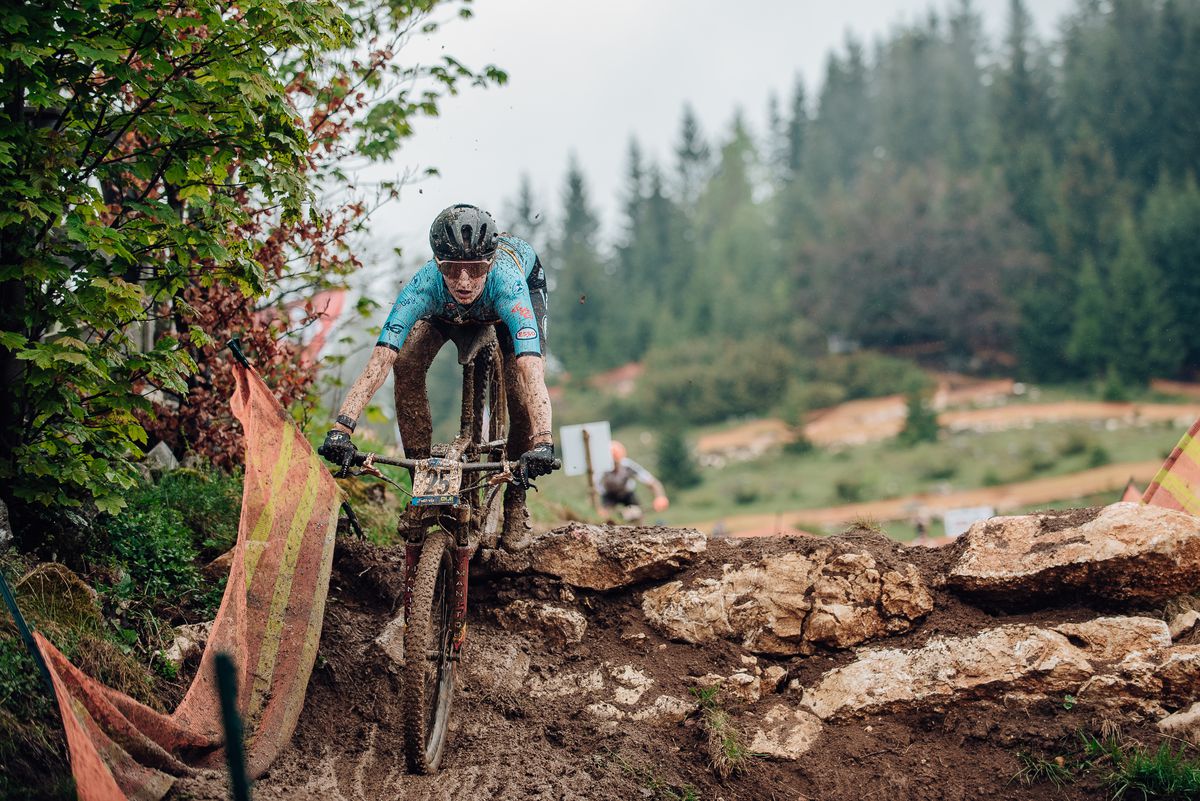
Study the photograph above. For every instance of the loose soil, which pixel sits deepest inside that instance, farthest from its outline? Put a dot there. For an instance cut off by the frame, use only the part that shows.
(505, 744)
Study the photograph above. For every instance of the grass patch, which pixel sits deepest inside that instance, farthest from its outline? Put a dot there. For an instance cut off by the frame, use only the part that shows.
(1125, 767)
(1130, 770)
(728, 755)
(1035, 770)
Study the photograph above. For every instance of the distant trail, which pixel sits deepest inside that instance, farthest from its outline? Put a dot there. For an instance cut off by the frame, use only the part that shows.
(862, 421)
(1002, 498)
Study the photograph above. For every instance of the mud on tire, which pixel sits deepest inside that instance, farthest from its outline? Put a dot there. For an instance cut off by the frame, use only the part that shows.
(428, 686)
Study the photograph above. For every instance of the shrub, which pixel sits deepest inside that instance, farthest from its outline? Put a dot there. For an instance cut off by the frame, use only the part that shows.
(1098, 456)
(153, 550)
(744, 494)
(1076, 443)
(920, 422)
(848, 490)
(799, 445)
(675, 466)
(209, 502)
(156, 542)
(1114, 389)
(706, 381)
(803, 397)
(867, 374)
(940, 472)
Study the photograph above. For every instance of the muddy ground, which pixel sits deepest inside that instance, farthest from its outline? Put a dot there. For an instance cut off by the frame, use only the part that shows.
(505, 745)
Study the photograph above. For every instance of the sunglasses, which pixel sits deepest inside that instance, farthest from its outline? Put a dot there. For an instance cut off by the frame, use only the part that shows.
(475, 268)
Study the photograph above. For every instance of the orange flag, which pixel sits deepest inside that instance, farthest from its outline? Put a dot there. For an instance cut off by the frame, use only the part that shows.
(1131, 493)
(1177, 485)
(269, 622)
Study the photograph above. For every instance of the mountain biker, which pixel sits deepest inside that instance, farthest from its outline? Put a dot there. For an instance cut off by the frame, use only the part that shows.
(617, 486)
(476, 276)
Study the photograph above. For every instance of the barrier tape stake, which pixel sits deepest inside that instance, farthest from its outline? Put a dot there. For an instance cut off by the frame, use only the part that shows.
(11, 602)
(235, 748)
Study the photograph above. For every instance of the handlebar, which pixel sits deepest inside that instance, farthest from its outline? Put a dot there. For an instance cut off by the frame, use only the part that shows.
(467, 467)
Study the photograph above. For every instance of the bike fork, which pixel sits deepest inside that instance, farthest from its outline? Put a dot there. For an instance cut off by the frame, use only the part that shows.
(462, 556)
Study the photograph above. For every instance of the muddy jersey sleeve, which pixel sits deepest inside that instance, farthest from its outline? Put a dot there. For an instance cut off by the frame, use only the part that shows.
(417, 301)
(515, 309)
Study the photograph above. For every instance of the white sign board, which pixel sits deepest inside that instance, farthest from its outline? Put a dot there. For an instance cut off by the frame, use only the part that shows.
(599, 442)
(957, 521)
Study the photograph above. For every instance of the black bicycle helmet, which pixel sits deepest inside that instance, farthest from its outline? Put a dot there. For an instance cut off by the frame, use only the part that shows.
(463, 233)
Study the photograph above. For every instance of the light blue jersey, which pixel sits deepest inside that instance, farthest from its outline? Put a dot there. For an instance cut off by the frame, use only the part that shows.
(505, 299)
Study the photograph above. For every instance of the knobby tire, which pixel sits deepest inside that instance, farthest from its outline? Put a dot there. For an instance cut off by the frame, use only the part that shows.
(429, 683)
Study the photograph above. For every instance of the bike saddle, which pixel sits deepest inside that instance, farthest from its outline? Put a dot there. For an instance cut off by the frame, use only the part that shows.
(471, 340)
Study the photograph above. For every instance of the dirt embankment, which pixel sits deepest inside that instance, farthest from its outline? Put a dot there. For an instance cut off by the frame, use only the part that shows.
(504, 744)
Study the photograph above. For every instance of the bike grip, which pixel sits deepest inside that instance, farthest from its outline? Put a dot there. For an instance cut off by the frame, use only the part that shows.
(558, 464)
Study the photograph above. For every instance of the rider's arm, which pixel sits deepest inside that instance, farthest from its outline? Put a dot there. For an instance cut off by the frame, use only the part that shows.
(531, 387)
(646, 477)
(413, 303)
(367, 384)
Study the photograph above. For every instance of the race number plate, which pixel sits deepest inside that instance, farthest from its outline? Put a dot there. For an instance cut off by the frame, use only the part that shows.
(436, 482)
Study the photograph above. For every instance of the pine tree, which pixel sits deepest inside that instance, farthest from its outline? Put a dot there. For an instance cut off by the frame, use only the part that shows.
(1023, 125)
(693, 161)
(1171, 232)
(581, 288)
(1091, 345)
(525, 215)
(842, 130)
(963, 93)
(1147, 341)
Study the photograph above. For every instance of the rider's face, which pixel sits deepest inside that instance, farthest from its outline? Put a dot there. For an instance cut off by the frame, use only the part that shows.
(465, 280)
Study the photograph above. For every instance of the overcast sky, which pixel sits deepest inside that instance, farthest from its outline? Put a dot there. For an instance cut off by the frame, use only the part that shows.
(584, 77)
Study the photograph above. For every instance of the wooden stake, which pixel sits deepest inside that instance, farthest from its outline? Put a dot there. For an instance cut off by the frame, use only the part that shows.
(587, 457)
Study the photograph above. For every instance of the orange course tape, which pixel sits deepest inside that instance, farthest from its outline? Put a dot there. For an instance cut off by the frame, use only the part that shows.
(269, 622)
(1177, 485)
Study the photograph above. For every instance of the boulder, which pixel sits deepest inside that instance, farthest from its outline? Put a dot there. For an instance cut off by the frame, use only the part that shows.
(6, 534)
(789, 603)
(603, 557)
(1185, 724)
(554, 624)
(784, 732)
(189, 641)
(498, 667)
(1182, 624)
(1091, 660)
(160, 460)
(1126, 552)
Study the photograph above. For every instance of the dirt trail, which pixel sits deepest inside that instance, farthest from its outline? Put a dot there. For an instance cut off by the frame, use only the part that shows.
(507, 744)
(1110, 478)
(862, 421)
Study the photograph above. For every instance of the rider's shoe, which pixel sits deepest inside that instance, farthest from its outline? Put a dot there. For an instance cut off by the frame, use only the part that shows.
(517, 532)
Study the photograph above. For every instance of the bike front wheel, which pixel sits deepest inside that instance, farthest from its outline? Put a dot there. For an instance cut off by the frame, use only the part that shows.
(428, 656)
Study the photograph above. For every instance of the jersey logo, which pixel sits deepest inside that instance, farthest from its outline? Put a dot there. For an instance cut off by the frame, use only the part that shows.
(522, 312)
(526, 333)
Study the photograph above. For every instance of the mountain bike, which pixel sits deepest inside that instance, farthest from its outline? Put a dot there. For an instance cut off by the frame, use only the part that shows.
(457, 505)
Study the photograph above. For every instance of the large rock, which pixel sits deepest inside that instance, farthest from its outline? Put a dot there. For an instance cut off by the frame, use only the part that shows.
(160, 460)
(6, 534)
(1184, 725)
(1127, 552)
(789, 603)
(784, 732)
(1101, 662)
(604, 557)
(553, 624)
